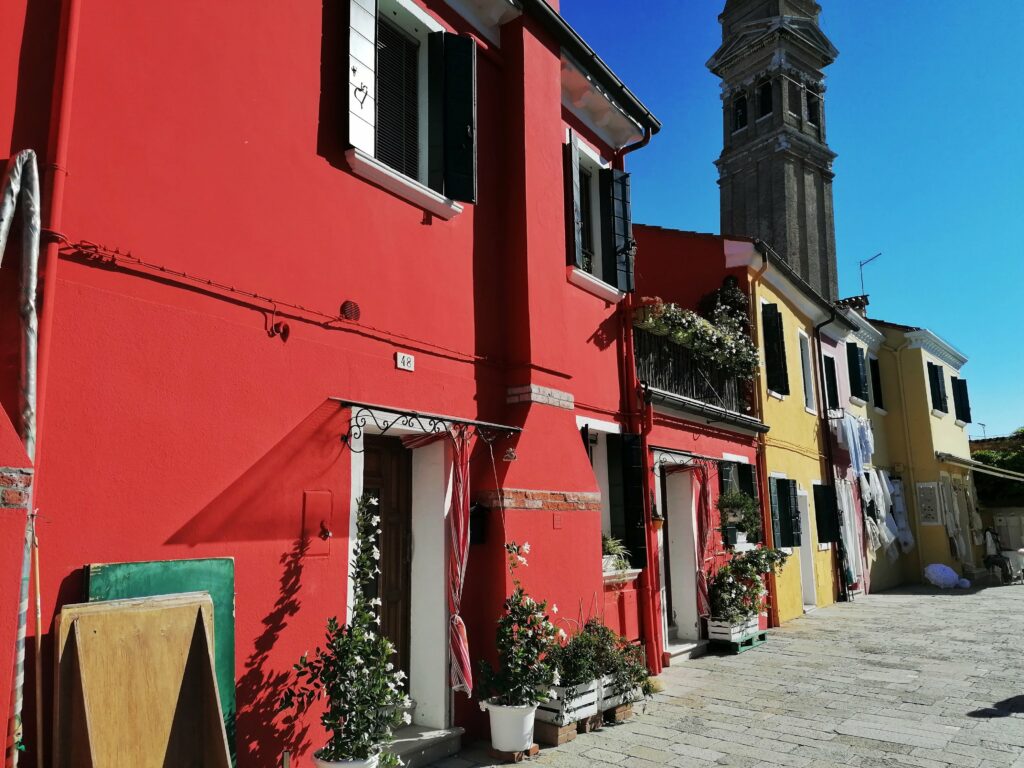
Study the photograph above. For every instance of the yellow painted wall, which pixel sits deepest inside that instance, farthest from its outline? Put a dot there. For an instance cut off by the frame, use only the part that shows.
(793, 448)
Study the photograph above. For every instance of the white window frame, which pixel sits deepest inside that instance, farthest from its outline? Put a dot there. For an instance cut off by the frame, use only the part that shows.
(807, 369)
(601, 429)
(592, 161)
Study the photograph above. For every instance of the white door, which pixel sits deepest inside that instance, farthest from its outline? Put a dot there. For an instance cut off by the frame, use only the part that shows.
(810, 595)
(679, 598)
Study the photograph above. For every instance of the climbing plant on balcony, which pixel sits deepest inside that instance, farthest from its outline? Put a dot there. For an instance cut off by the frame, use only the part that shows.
(719, 338)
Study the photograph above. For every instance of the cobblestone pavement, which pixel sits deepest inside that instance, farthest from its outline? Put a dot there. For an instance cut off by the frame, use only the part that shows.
(909, 678)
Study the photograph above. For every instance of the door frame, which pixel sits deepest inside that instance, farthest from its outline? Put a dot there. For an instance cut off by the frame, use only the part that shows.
(429, 655)
(682, 566)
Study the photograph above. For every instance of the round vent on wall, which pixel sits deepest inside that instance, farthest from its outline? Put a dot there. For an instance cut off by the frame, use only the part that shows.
(350, 310)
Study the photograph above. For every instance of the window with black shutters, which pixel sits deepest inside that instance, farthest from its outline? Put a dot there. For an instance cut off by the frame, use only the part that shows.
(764, 98)
(739, 113)
(961, 400)
(785, 505)
(626, 494)
(858, 371)
(398, 113)
(826, 514)
(776, 374)
(876, 384)
(937, 386)
(831, 383)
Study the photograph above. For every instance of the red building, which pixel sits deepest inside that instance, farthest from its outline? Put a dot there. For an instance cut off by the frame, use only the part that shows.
(275, 242)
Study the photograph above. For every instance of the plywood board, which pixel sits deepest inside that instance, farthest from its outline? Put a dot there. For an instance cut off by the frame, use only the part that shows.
(135, 685)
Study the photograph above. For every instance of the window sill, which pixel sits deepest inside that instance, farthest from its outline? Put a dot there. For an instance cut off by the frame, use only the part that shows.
(420, 195)
(824, 547)
(857, 401)
(621, 577)
(811, 411)
(881, 411)
(937, 413)
(593, 285)
(776, 395)
(762, 118)
(960, 423)
(739, 130)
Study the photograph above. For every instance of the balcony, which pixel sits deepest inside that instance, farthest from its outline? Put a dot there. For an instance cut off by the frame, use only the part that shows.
(670, 371)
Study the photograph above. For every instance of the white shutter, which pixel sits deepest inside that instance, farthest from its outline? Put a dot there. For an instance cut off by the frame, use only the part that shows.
(362, 79)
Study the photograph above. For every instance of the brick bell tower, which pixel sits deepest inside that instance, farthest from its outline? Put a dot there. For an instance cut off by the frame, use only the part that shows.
(775, 170)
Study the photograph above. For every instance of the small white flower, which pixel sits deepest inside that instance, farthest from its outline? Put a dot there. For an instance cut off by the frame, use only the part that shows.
(526, 547)
(373, 501)
(376, 553)
(554, 608)
(375, 520)
(406, 718)
(561, 634)
(521, 559)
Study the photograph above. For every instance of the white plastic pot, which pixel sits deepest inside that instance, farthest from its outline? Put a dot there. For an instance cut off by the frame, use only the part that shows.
(371, 763)
(511, 727)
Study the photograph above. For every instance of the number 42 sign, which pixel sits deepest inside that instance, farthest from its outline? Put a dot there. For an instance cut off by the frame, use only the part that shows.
(404, 361)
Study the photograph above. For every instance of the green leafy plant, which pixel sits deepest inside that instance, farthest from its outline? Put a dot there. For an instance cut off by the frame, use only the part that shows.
(612, 547)
(526, 640)
(575, 663)
(741, 510)
(353, 669)
(737, 590)
(617, 658)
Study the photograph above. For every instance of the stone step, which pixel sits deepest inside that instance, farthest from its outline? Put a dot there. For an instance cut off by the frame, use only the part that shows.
(684, 651)
(417, 745)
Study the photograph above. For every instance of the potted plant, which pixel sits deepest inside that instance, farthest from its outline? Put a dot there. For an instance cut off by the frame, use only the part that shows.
(741, 511)
(614, 555)
(620, 666)
(576, 694)
(524, 674)
(737, 594)
(353, 670)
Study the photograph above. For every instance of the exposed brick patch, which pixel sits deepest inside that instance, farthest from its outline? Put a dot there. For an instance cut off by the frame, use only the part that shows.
(15, 484)
(556, 501)
(532, 393)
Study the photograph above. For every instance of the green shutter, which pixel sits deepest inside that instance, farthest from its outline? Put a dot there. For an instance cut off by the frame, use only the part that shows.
(573, 209)
(633, 499)
(616, 493)
(794, 514)
(876, 384)
(961, 400)
(747, 480)
(777, 376)
(773, 495)
(857, 371)
(459, 101)
(937, 383)
(826, 513)
(616, 229)
(831, 383)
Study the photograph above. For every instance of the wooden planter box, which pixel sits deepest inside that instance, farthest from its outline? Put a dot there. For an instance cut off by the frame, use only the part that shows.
(725, 632)
(610, 700)
(562, 711)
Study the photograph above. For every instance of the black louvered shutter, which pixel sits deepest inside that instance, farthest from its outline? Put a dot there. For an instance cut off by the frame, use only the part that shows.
(826, 513)
(773, 497)
(831, 383)
(961, 400)
(573, 209)
(456, 113)
(876, 384)
(747, 480)
(633, 499)
(585, 436)
(397, 129)
(858, 371)
(774, 349)
(616, 229)
(794, 514)
(937, 382)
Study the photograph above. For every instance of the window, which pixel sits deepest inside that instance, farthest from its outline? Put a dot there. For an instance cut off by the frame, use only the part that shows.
(813, 108)
(826, 513)
(599, 229)
(736, 476)
(805, 366)
(858, 372)
(796, 98)
(398, 114)
(764, 99)
(937, 385)
(412, 97)
(739, 113)
(626, 494)
(831, 383)
(776, 375)
(785, 512)
(876, 384)
(961, 400)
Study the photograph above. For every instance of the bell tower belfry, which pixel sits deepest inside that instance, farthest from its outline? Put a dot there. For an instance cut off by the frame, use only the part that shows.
(775, 170)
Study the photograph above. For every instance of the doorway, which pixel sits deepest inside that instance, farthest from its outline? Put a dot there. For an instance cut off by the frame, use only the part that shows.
(806, 546)
(387, 474)
(679, 551)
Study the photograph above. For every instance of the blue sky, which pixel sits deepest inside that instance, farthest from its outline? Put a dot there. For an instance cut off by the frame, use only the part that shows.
(925, 111)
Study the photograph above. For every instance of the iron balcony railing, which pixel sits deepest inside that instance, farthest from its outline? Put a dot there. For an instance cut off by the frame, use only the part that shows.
(665, 365)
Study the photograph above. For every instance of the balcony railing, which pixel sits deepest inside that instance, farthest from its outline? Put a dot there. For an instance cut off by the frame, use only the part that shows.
(670, 367)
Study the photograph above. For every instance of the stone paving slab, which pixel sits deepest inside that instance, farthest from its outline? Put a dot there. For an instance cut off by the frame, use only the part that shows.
(912, 677)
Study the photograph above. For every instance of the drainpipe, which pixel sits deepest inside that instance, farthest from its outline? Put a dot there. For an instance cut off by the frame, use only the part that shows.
(840, 575)
(639, 416)
(762, 460)
(636, 145)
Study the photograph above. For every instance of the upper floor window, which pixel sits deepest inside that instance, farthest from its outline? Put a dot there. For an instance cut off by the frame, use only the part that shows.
(831, 383)
(765, 98)
(937, 387)
(776, 374)
(813, 108)
(739, 113)
(858, 372)
(961, 400)
(876, 384)
(412, 95)
(599, 229)
(805, 366)
(796, 98)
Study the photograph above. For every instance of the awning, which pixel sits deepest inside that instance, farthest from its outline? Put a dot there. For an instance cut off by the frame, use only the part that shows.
(977, 466)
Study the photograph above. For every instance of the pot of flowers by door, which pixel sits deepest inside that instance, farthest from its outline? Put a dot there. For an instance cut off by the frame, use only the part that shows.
(621, 670)
(353, 670)
(575, 697)
(525, 673)
(737, 595)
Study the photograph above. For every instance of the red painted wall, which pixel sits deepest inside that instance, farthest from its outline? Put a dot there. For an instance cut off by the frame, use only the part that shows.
(175, 427)
(680, 266)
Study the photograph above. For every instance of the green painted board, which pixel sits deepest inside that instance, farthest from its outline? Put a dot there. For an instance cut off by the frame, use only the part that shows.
(116, 581)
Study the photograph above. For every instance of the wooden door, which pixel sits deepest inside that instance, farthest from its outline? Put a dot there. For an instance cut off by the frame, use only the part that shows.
(387, 474)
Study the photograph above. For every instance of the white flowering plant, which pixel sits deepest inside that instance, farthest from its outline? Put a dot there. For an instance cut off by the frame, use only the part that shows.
(353, 670)
(737, 591)
(526, 640)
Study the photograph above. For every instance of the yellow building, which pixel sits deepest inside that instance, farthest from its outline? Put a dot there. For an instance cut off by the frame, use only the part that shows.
(927, 446)
(787, 317)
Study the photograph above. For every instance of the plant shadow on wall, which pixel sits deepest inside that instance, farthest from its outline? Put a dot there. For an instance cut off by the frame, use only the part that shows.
(262, 730)
(606, 332)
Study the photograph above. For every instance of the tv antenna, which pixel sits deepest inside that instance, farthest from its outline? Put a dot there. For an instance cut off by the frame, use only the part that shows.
(862, 264)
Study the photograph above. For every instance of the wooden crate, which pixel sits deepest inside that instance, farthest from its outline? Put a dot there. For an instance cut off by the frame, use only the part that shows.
(731, 633)
(562, 710)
